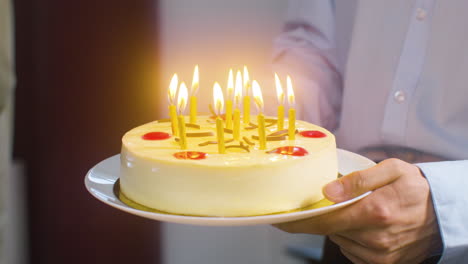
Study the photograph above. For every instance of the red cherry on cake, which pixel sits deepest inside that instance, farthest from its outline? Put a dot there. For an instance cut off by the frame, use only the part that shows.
(191, 155)
(290, 150)
(156, 136)
(312, 134)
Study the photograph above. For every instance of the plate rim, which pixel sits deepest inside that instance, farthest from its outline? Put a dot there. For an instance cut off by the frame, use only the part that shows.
(214, 220)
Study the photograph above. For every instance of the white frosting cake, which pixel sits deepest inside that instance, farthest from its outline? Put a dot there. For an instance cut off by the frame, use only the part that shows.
(245, 181)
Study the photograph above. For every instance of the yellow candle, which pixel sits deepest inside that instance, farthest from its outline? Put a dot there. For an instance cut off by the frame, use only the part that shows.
(280, 95)
(292, 111)
(193, 98)
(219, 104)
(229, 96)
(181, 104)
(257, 94)
(292, 124)
(171, 94)
(246, 96)
(261, 131)
(280, 117)
(237, 102)
(246, 109)
(193, 109)
(236, 132)
(183, 135)
(173, 116)
(220, 135)
(229, 114)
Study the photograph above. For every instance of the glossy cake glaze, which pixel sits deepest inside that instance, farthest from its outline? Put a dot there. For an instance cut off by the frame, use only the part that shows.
(245, 181)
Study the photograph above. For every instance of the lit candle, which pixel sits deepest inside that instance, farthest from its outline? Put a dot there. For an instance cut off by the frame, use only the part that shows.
(219, 104)
(246, 96)
(230, 89)
(172, 108)
(193, 96)
(280, 94)
(292, 111)
(237, 102)
(257, 94)
(181, 104)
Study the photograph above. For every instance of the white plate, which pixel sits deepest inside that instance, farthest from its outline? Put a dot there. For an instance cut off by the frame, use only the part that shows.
(101, 178)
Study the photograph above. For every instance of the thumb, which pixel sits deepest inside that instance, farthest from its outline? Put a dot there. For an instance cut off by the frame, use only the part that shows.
(359, 182)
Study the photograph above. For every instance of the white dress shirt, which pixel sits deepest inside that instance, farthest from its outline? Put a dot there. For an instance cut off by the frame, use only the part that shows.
(399, 76)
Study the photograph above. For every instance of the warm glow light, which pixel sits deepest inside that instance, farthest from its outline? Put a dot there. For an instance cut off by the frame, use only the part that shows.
(257, 94)
(182, 98)
(238, 90)
(195, 81)
(173, 89)
(230, 85)
(246, 80)
(291, 99)
(279, 90)
(218, 98)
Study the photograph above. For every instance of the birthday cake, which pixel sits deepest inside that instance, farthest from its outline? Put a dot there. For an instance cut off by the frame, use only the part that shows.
(245, 180)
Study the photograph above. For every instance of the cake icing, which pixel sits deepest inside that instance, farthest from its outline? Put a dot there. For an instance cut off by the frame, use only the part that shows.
(245, 181)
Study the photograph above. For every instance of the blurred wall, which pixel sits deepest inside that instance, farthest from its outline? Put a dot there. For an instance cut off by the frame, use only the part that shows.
(85, 75)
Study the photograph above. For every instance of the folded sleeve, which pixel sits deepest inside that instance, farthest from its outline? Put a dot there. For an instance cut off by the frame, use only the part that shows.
(306, 51)
(448, 181)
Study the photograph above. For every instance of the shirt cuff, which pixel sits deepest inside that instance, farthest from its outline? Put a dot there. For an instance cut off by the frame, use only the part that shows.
(448, 183)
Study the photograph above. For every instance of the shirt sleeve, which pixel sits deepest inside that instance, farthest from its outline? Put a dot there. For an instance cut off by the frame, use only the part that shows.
(448, 181)
(306, 51)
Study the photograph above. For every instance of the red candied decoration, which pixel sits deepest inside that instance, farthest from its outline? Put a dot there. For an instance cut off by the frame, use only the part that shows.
(156, 136)
(191, 155)
(312, 134)
(290, 150)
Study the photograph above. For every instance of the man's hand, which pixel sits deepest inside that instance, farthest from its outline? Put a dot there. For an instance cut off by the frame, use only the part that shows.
(394, 224)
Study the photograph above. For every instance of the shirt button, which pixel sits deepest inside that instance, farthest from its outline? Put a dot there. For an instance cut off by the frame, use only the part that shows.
(399, 96)
(421, 14)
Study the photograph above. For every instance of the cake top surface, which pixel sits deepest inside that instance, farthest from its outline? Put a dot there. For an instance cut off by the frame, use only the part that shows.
(154, 141)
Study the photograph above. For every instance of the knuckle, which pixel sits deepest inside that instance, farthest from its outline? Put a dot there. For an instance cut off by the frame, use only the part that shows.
(399, 166)
(393, 161)
(358, 183)
(380, 213)
(383, 215)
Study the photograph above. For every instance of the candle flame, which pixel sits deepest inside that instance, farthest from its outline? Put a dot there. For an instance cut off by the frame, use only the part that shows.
(279, 90)
(171, 93)
(257, 94)
(195, 81)
(182, 98)
(291, 99)
(230, 85)
(218, 98)
(238, 90)
(246, 80)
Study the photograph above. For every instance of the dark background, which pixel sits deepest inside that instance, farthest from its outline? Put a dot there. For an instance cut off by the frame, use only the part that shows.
(86, 73)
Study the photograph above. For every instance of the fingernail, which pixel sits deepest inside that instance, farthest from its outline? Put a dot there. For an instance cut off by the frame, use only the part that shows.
(334, 189)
